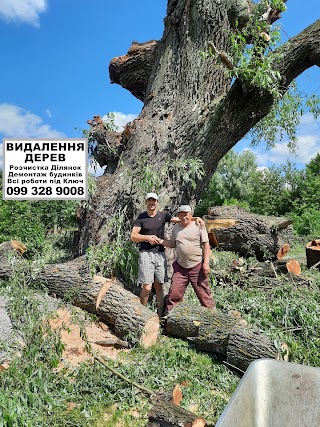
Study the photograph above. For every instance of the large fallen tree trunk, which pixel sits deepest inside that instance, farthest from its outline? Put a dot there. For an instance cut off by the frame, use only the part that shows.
(220, 334)
(235, 229)
(106, 298)
(207, 330)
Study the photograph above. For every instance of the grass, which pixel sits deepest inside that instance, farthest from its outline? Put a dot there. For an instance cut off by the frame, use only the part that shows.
(34, 393)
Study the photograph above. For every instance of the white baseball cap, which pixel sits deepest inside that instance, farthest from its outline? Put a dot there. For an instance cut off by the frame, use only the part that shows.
(152, 196)
(184, 208)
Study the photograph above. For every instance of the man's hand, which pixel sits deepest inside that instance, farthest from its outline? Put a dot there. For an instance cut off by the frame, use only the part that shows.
(153, 240)
(200, 222)
(206, 268)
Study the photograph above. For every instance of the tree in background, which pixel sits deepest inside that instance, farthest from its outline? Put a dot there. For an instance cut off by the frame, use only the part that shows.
(306, 208)
(275, 189)
(30, 220)
(231, 183)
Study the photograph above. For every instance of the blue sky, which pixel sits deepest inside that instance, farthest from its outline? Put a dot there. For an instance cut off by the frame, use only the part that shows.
(55, 57)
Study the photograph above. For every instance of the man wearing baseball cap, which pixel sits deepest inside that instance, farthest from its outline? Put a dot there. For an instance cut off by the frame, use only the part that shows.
(148, 230)
(192, 262)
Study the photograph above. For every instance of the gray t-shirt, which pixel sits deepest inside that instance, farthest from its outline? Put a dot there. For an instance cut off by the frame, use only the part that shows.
(188, 243)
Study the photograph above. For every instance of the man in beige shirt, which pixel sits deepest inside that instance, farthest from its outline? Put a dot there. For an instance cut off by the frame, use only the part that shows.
(192, 262)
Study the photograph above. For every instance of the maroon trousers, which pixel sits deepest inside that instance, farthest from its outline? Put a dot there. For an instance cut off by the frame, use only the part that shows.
(181, 277)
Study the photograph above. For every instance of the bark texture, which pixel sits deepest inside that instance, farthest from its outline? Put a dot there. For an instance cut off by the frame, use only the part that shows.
(208, 330)
(167, 414)
(222, 334)
(114, 305)
(239, 231)
(10, 254)
(191, 109)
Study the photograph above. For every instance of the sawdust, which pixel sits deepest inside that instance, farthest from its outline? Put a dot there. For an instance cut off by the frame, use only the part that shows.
(75, 351)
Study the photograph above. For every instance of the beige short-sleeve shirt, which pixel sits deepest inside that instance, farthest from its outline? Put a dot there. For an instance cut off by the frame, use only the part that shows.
(188, 243)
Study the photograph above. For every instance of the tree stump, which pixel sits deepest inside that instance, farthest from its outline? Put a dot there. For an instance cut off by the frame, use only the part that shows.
(313, 254)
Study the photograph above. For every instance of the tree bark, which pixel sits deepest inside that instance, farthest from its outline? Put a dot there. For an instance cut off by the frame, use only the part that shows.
(10, 254)
(167, 414)
(208, 330)
(237, 230)
(190, 109)
(218, 333)
(114, 305)
(245, 346)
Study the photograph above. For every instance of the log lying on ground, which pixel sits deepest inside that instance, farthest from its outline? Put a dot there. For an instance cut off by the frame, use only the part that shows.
(207, 330)
(264, 275)
(262, 282)
(219, 333)
(10, 251)
(164, 412)
(168, 414)
(272, 269)
(107, 298)
(237, 230)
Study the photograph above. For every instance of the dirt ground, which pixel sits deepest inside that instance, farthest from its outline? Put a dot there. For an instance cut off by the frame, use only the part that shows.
(75, 346)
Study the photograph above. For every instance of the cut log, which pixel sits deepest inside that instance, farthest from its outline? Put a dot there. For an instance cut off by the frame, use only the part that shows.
(257, 281)
(293, 266)
(313, 254)
(10, 253)
(272, 269)
(176, 395)
(217, 333)
(167, 414)
(116, 306)
(282, 252)
(245, 346)
(248, 234)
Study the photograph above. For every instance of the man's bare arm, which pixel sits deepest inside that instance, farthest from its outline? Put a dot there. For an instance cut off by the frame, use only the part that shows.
(167, 243)
(199, 221)
(206, 257)
(138, 238)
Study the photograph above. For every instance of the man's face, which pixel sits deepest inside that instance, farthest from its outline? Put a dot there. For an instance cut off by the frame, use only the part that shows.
(185, 218)
(151, 204)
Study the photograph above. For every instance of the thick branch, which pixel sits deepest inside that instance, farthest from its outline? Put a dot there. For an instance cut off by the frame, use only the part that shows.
(132, 71)
(110, 144)
(242, 110)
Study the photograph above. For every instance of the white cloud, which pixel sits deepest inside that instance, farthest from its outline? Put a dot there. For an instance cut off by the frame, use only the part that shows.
(308, 146)
(22, 10)
(15, 122)
(121, 119)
